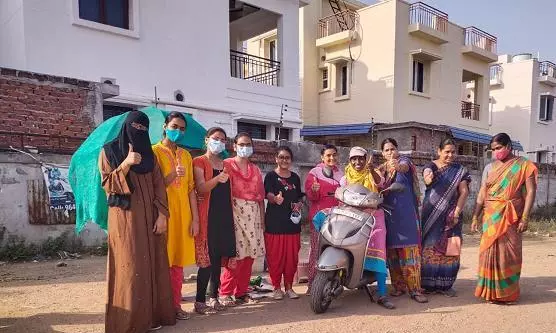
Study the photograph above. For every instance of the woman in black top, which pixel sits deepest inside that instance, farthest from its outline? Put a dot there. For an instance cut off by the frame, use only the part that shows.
(283, 228)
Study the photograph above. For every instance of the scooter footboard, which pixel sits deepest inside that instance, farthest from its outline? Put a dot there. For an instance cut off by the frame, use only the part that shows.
(333, 259)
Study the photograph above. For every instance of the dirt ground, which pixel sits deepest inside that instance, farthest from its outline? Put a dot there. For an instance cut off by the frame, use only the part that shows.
(40, 297)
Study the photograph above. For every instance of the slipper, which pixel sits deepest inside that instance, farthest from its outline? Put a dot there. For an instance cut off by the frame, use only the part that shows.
(419, 298)
(182, 315)
(216, 305)
(397, 293)
(448, 293)
(228, 301)
(385, 302)
(203, 308)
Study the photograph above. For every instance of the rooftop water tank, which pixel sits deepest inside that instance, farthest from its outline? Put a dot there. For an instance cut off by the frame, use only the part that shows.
(522, 57)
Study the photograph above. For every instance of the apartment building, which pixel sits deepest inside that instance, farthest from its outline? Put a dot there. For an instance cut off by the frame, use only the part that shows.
(522, 93)
(187, 56)
(392, 62)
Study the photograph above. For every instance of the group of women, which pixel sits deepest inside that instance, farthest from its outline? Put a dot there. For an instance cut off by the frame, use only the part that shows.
(423, 237)
(168, 210)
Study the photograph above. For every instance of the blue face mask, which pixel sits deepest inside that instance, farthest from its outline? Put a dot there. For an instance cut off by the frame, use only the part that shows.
(244, 152)
(174, 135)
(215, 146)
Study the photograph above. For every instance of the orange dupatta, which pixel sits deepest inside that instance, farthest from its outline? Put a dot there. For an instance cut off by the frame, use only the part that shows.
(203, 200)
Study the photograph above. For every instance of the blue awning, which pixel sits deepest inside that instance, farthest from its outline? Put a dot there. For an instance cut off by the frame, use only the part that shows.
(467, 135)
(349, 129)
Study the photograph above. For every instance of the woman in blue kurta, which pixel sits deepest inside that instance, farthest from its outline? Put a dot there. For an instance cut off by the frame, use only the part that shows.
(403, 231)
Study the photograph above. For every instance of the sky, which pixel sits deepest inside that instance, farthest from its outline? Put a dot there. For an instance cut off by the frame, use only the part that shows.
(521, 26)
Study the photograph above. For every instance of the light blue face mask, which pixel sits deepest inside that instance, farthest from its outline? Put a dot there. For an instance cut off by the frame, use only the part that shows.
(215, 146)
(174, 135)
(244, 152)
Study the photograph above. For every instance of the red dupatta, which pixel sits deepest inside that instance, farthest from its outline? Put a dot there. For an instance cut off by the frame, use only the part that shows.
(247, 186)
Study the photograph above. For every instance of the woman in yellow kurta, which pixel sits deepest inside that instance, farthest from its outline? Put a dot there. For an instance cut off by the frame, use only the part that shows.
(183, 224)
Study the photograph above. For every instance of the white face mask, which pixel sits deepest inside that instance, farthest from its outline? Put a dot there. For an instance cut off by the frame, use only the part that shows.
(244, 152)
(295, 217)
(215, 146)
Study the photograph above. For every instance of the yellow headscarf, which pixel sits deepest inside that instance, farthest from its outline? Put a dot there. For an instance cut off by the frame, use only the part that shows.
(362, 177)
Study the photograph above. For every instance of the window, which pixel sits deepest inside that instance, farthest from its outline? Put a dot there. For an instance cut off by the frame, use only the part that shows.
(109, 111)
(324, 76)
(418, 76)
(257, 131)
(414, 142)
(342, 80)
(110, 12)
(542, 157)
(284, 134)
(547, 107)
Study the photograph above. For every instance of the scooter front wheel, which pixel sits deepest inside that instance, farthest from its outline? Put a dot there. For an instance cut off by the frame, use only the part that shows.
(321, 292)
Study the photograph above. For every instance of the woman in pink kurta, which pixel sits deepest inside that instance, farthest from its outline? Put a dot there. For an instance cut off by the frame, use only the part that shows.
(320, 185)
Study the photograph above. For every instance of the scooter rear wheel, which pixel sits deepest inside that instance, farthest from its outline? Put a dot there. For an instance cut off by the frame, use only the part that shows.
(321, 293)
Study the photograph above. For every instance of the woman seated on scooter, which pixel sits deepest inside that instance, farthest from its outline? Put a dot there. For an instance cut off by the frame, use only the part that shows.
(360, 171)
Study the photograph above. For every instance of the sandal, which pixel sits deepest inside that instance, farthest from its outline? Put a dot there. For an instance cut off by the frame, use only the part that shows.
(397, 293)
(155, 328)
(418, 297)
(502, 303)
(182, 315)
(203, 308)
(385, 302)
(243, 299)
(448, 293)
(228, 301)
(216, 305)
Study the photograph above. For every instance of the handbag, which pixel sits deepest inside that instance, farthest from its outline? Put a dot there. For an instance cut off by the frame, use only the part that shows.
(453, 247)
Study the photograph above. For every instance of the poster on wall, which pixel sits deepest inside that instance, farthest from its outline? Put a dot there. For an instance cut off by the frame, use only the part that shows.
(59, 190)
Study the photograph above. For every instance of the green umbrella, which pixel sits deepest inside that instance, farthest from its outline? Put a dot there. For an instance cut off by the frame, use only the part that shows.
(84, 175)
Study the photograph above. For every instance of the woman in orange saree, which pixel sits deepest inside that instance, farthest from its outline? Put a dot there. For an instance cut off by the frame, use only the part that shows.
(506, 197)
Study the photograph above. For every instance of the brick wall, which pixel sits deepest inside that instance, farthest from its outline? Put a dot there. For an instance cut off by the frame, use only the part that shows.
(51, 113)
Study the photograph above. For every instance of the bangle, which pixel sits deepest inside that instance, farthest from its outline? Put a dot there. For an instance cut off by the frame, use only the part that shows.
(474, 219)
(525, 219)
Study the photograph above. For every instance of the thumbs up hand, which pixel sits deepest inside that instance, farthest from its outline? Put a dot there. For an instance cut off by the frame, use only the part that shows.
(316, 186)
(132, 158)
(180, 170)
(223, 176)
(428, 176)
(278, 199)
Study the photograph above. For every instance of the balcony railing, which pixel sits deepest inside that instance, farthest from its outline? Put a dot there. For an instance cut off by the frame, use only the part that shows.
(479, 38)
(250, 67)
(421, 13)
(547, 68)
(335, 23)
(470, 110)
(496, 73)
